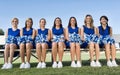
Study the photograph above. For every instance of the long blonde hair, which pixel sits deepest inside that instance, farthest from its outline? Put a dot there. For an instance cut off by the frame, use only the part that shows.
(91, 24)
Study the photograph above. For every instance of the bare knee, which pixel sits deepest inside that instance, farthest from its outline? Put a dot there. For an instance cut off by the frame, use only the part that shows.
(61, 45)
(7, 46)
(54, 45)
(91, 45)
(22, 46)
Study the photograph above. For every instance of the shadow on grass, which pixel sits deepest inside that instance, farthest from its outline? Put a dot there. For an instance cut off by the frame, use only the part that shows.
(66, 63)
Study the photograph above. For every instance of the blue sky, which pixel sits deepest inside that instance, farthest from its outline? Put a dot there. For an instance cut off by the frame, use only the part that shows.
(50, 9)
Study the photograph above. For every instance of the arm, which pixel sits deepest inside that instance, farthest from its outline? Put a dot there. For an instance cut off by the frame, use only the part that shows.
(66, 34)
(110, 31)
(97, 32)
(82, 33)
(49, 35)
(36, 32)
(21, 32)
(33, 34)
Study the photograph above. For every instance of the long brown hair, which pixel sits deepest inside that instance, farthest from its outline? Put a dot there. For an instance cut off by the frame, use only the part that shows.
(92, 21)
(54, 25)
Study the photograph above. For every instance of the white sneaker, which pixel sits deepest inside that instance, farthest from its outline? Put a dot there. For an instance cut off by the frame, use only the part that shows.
(109, 64)
(27, 65)
(60, 65)
(39, 65)
(9, 66)
(43, 65)
(78, 64)
(54, 65)
(4, 66)
(73, 64)
(22, 66)
(114, 63)
(92, 64)
(98, 64)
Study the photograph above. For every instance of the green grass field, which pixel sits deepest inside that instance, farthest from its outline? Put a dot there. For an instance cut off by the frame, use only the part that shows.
(66, 70)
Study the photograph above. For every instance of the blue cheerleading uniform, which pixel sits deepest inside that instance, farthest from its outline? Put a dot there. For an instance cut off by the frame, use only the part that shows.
(58, 35)
(89, 35)
(73, 36)
(27, 36)
(42, 37)
(13, 36)
(105, 37)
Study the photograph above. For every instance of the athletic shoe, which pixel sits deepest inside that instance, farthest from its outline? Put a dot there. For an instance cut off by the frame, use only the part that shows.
(109, 64)
(9, 66)
(98, 64)
(27, 65)
(114, 63)
(54, 65)
(4, 66)
(60, 65)
(78, 64)
(73, 64)
(92, 64)
(39, 65)
(43, 65)
(22, 66)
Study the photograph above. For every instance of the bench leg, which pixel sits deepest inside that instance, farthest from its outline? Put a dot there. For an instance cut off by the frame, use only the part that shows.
(16, 58)
(34, 55)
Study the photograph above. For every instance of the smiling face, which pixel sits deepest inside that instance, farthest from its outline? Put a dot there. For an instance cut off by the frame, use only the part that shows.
(72, 21)
(103, 21)
(88, 20)
(14, 22)
(42, 22)
(29, 23)
(57, 22)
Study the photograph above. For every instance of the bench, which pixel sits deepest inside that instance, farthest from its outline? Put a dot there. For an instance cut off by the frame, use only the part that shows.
(2, 44)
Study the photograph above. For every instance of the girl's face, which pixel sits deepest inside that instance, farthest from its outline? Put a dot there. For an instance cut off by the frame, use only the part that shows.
(14, 23)
(57, 22)
(72, 21)
(42, 23)
(103, 21)
(88, 20)
(29, 23)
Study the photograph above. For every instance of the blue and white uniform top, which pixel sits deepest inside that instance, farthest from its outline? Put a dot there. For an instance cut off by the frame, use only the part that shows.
(89, 35)
(42, 36)
(105, 37)
(58, 35)
(74, 35)
(13, 36)
(27, 36)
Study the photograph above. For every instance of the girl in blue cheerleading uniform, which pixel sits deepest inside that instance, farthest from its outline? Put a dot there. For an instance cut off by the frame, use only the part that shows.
(42, 43)
(57, 35)
(91, 40)
(26, 42)
(73, 41)
(12, 36)
(107, 41)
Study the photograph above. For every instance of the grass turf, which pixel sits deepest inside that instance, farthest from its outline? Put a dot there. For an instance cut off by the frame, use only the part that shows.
(66, 70)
